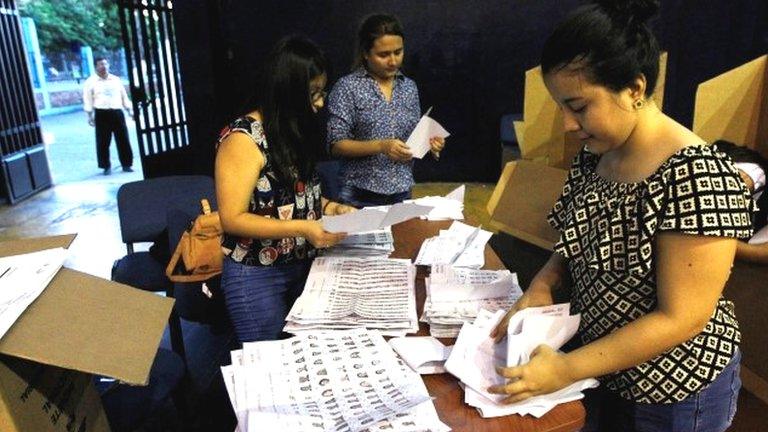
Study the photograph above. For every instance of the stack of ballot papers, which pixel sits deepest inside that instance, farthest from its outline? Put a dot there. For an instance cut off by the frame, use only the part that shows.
(475, 355)
(457, 295)
(461, 245)
(22, 279)
(378, 243)
(327, 381)
(448, 207)
(345, 293)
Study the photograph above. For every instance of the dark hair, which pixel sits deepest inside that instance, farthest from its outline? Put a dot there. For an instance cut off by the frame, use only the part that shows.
(290, 125)
(373, 27)
(739, 153)
(98, 59)
(610, 41)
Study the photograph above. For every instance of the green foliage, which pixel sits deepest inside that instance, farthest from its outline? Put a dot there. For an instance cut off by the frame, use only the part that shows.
(65, 24)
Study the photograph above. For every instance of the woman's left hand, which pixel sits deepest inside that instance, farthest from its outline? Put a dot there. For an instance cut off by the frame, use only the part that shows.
(436, 145)
(548, 371)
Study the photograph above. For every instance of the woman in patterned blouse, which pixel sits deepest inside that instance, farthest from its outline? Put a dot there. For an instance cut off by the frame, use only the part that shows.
(269, 194)
(371, 113)
(649, 220)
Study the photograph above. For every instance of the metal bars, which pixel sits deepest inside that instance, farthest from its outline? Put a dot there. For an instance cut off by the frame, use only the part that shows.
(19, 123)
(150, 42)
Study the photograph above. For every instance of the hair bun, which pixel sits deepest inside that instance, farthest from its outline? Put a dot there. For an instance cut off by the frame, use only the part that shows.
(629, 12)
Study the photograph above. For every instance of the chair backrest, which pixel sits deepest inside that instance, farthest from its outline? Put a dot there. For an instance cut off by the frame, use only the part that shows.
(143, 205)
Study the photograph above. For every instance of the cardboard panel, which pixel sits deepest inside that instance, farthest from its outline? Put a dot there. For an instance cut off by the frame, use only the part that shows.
(34, 397)
(86, 323)
(734, 106)
(521, 202)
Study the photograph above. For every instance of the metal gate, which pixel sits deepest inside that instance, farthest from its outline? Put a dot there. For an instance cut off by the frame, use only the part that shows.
(24, 165)
(153, 71)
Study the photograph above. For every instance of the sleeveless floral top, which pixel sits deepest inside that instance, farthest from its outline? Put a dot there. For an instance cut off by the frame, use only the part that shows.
(607, 235)
(273, 199)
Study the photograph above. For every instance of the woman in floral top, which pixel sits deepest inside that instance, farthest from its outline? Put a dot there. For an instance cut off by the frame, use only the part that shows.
(269, 195)
(649, 219)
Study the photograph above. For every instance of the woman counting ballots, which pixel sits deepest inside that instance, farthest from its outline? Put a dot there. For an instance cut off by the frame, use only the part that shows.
(371, 112)
(269, 194)
(649, 219)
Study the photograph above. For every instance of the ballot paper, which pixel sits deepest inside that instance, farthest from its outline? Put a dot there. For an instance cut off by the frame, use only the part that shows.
(446, 207)
(424, 354)
(461, 245)
(370, 219)
(378, 243)
(533, 326)
(22, 279)
(343, 293)
(760, 237)
(475, 355)
(426, 129)
(332, 381)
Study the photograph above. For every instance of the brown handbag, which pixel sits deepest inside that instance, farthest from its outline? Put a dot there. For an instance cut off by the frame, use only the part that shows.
(199, 249)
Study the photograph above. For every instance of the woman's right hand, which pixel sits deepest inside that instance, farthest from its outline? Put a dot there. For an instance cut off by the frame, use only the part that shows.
(395, 150)
(533, 297)
(319, 237)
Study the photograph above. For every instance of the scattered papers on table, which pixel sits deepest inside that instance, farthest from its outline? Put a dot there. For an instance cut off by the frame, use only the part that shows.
(531, 327)
(475, 355)
(457, 295)
(371, 219)
(379, 243)
(461, 245)
(331, 381)
(22, 279)
(448, 207)
(344, 293)
(426, 129)
(424, 354)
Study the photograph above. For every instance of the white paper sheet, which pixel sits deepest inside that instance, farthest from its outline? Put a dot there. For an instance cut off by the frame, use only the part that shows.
(461, 245)
(368, 219)
(22, 279)
(424, 354)
(760, 237)
(426, 129)
(446, 207)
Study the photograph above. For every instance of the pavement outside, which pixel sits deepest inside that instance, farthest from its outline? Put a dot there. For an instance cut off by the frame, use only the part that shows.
(72, 150)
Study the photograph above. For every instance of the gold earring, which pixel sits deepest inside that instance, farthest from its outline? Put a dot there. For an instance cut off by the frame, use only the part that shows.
(638, 104)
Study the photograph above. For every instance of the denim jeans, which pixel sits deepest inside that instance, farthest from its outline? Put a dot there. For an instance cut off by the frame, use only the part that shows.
(710, 410)
(357, 197)
(259, 298)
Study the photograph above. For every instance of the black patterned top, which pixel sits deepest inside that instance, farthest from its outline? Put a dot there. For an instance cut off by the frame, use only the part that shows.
(607, 232)
(273, 199)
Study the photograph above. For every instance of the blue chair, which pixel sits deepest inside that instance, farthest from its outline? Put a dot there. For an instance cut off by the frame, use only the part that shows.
(329, 178)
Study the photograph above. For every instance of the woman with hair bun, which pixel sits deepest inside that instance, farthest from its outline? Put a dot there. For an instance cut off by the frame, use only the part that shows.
(649, 219)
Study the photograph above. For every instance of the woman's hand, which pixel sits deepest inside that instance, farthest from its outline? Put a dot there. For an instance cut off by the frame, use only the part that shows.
(436, 145)
(340, 209)
(534, 297)
(319, 237)
(548, 371)
(395, 150)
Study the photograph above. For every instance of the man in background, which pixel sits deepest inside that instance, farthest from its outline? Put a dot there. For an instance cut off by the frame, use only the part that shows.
(104, 98)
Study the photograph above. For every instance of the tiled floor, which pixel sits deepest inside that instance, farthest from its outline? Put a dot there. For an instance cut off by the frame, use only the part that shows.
(89, 209)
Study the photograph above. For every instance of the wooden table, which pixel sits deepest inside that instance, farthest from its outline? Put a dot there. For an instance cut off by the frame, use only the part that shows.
(449, 398)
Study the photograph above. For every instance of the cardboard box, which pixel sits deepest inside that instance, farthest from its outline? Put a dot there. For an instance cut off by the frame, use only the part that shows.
(734, 106)
(80, 325)
(522, 199)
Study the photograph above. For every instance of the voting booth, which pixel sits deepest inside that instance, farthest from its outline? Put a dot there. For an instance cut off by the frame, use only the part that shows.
(79, 326)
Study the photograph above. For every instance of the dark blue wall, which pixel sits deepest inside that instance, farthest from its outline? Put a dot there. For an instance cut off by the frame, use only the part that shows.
(467, 57)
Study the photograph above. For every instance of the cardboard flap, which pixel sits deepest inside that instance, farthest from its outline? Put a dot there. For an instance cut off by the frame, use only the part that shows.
(18, 247)
(734, 106)
(523, 198)
(86, 323)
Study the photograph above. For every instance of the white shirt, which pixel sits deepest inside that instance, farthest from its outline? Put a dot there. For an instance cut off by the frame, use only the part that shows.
(104, 93)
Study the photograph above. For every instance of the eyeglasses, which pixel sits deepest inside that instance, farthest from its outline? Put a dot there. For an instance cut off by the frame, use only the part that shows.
(317, 95)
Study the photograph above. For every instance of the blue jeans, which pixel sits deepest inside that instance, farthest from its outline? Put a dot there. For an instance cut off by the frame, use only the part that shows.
(710, 410)
(259, 298)
(357, 197)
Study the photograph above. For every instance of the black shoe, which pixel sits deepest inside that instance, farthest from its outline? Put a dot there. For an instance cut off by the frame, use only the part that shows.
(127, 169)
(107, 171)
